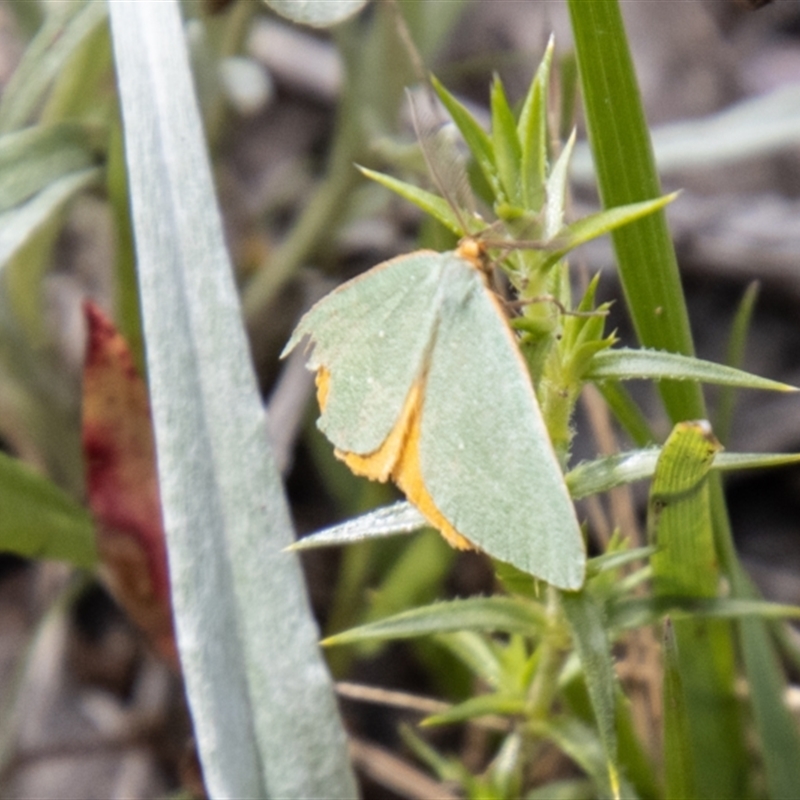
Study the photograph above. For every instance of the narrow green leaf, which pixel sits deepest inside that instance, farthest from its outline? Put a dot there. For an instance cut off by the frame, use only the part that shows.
(588, 228)
(533, 133)
(413, 578)
(777, 727)
(20, 224)
(446, 769)
(615, 560)
(602, 474)
(728, 462)
(263, 706)
(472, 614)
(580, 742)
(66, 27)
(627, 364)
(478, 653)
(626, 173)
(636, 762)
(430, 203)
(506, 145)
(40, 521)
(679, 765)
(480, 706)
(734, 357)
(594, 650)
(556, 192)
(80, 90)
(506, 771)
(731, 608)
(633, 613)
(128, 316)
(32, 158)
(317, 13)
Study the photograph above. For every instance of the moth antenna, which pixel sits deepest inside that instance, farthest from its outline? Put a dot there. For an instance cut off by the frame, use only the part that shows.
(414, 56)
(442, 159)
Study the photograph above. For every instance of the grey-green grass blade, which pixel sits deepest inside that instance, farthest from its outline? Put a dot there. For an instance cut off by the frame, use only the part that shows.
(33, 158)
(734, 357)
(400, 517)
(262, 701)
(66, 27)
(21, 223)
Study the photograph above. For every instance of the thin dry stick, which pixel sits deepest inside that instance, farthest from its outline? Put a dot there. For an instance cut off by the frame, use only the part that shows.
(411, 702)
(622, 506)
(388, 770)
(388, 697)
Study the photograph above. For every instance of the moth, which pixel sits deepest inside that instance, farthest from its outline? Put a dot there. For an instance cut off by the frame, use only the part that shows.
(420, 380)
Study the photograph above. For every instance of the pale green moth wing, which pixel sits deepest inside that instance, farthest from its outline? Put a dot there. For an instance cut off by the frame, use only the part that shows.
(420, 380)
(485, 455)
(374, 335)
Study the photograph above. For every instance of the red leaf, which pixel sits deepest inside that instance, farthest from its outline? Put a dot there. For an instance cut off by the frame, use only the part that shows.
(122, 482)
